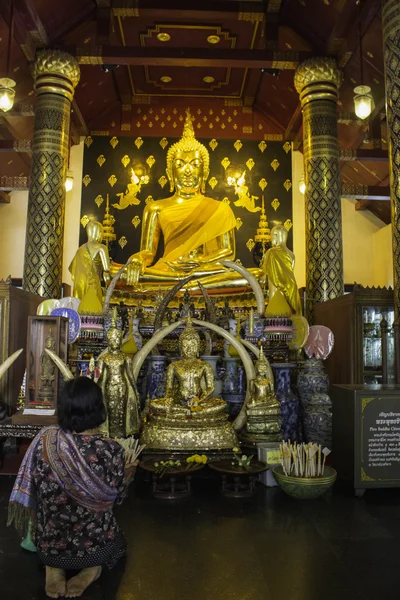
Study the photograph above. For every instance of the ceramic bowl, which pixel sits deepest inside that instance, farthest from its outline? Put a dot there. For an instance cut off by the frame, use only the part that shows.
(305, 488)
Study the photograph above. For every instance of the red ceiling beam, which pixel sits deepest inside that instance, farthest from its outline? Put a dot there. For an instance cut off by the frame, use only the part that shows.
(369, 10)
(187, 57)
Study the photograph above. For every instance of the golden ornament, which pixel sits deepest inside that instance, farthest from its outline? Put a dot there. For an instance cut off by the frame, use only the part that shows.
(250, 244)
(149, 199)
(99, 200)
(225, 162)
(162, 181)
(88, 141)
(101, 160)
(238, 145)
(275, 204)
(275, 164)
(263, 183)
(84, 220)
(150, 160)
(239, 223)
(287, 146)
(288, 224)
(250, 164)
(138, 142)
(122, 241)
(136, 221)
(212, 182)
(163, 142)
(213, 144)
(287, 185)
(125, 160)
(114, 142)
(112, 180)
(86, 180)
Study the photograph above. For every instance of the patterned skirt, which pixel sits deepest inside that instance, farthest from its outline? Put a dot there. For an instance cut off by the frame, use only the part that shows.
(107, 556)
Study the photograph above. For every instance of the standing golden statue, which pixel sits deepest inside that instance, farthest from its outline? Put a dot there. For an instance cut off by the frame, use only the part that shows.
(188, 418)
(263, 410)
(89, 263)
(278, 266)
(118, 387)
(198, 232)
(47, 371)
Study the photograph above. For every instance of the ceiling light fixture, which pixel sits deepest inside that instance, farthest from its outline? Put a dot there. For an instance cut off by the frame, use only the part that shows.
(163, 37)
(208, 79)
(166, 79)
(213, 39)
(362, 93)
(7, 85)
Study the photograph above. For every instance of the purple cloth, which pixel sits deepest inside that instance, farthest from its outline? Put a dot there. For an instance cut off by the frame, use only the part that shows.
(72, 472)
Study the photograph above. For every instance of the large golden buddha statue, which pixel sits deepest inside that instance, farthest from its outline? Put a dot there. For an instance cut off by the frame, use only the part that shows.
(189, 418)
(198, 232)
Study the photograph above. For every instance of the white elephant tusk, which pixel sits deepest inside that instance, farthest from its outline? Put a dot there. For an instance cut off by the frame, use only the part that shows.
(66, 373)
(256, 287)
(9, 361)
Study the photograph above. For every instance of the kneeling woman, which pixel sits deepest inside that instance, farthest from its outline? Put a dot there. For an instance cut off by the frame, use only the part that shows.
(67, 485)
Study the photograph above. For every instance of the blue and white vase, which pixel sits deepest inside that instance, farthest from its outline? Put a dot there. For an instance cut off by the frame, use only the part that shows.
(317, 420)
(156, 377)
(231, 391)
(212, 361)
(312, 379)
(288, 400)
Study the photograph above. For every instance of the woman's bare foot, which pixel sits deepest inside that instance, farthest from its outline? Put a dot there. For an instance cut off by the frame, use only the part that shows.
(55, 583)
(78, 584)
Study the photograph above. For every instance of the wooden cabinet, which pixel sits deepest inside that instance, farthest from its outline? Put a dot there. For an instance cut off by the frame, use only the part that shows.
(355, 320)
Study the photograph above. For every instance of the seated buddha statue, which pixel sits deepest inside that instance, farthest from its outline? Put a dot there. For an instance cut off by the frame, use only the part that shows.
(188, 418)
(278, 266)
(263, 409)
(198, 232)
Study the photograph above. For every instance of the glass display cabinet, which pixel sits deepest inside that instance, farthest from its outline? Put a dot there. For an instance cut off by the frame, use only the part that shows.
(362, 323)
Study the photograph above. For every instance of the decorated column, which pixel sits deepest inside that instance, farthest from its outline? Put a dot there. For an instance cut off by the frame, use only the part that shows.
(317, 81)
(56, 75)
(391, 47)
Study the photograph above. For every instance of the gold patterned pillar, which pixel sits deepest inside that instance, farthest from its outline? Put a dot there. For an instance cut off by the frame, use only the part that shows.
(56, 75)
(317, 81)
(391, 50)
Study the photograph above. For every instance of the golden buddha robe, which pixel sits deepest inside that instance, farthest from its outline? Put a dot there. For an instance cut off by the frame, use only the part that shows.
(278, 267)
(86, 280)
(188, 225)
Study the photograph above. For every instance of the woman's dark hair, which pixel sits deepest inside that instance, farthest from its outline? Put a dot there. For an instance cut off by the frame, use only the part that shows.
(80, 405)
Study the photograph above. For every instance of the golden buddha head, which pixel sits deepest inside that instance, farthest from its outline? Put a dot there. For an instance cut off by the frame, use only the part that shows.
(94, 231)
(279, 235)
(114, 334)
(189, 341)
(261, 364)
(188, 162)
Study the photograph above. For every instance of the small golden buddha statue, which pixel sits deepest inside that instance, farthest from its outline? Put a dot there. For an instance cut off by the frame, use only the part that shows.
(47, 372)
(118, 387)
(278, 266)
(198, 232)
(263, 410)
(89, 263)
(188, 418)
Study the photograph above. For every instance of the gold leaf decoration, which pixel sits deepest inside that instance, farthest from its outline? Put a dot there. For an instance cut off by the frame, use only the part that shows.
(225, 162)
(239, 223)
(226, 200)
(122, 241)
(212, 182)
(237, 145)
(263, 183)
(163, 142)
(114, 142)
(287, 146)
(239, 262)
(288, 224)
(275, 164)
(112, 180)
(150, 160)
(287, 185)
(101, 160)
(250, 164)
(86, 180)
(149, 199)
(85, 220)
(138, 142)
(111, 219)
(262, 145)
(88, 141)
(99, 200)
(125, 160)
(136, 221)
(213, 144)
(275, 204)
(250, 244)
(162, 181)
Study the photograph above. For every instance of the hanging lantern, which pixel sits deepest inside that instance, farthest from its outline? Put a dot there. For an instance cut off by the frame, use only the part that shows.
(7, 93)
(69, 181)
(302, 185)
(362, 101)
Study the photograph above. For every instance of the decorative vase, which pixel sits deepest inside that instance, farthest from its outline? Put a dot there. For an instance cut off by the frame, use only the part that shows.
(317, 420)
(305, 488)
(156, 377)
(212, 361)
(230, 386)
(312, 379)
(137, 336)
(287, 398)
(232, 330)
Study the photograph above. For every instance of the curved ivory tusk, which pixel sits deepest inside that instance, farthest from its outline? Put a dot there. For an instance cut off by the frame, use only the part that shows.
(110, 289)
(240, 420)
(66, 373)
(141, 356)
(257, 289)
(9, 361)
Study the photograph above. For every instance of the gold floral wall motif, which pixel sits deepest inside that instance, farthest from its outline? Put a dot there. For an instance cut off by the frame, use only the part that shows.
(114, 178)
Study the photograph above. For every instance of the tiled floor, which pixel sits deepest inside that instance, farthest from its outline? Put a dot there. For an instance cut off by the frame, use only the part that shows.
(211, 548)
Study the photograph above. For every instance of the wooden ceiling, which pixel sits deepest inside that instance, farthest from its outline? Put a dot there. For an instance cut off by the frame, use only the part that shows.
(143, 62)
